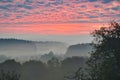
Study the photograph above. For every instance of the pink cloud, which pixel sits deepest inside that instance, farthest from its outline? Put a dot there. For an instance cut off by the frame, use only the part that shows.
(68, 16)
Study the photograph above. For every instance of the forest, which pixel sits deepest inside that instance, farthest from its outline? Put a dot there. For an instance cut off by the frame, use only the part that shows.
(102, 64)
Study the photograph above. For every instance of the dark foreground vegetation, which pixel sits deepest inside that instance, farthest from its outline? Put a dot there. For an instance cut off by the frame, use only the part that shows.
(103, 63)
(37, 70)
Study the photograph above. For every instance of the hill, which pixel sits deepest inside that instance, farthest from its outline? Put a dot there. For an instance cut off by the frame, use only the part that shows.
(17, 47)
(79, 50)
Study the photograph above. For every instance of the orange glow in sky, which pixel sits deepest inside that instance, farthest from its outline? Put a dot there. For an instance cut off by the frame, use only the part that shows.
(56, 17)
(60, 29)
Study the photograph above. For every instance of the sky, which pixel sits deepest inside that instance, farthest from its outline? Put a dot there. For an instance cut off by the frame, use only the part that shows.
(69, 21)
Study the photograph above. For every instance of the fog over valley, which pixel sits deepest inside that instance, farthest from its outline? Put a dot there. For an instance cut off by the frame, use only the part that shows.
(25, 50)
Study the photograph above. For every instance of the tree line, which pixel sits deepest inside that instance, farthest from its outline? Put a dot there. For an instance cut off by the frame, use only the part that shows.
(54, 69)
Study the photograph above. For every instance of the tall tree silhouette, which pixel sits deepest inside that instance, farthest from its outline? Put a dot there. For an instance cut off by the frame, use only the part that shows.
(104, 62)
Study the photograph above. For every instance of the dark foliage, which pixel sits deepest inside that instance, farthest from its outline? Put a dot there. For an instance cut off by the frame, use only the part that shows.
(104, 62)
(37, 70)
(9, 75)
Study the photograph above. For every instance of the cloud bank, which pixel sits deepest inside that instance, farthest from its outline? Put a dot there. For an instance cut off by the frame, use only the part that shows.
(46, 11)
(30, 15)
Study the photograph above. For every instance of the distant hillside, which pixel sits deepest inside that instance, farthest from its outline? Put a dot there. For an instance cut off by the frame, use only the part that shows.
(16, 47)
(79, 50)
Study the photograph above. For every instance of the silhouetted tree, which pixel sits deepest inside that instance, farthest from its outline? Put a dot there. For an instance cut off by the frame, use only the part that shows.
(104, 62)
(53, 63)
(10, 66)
(9, 75)
(73, 63)
(46, 57)
(33, 70)
(78, 75)
(54, 72)
(72, 68)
